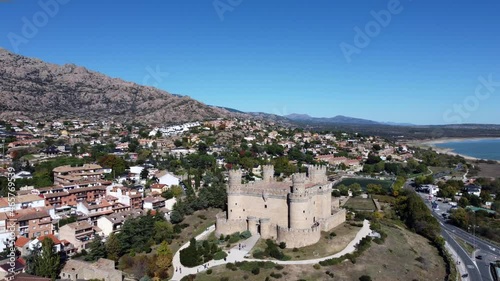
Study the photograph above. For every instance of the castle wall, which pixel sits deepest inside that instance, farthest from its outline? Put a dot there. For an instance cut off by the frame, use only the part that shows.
(226, 227)
(242, 206)
(333, 221)
(298, 238)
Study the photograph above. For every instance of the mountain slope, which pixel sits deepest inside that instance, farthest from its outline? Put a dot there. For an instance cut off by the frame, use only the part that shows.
(339, 119)
(32, 88)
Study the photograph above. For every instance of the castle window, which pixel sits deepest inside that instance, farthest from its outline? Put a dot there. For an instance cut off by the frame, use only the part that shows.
(236, 204)
(265, 206)
(304, 211)
(231, 210)
(243, 210)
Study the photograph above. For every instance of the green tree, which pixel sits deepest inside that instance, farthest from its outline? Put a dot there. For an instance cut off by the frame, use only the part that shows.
(463, 202)
(460, 218)
(178, 143)
(117, 164)
(163, 231)
(44, 261)
(144, 173)
(97, 249)
(355, 189)
(113, 247)
(163, 260)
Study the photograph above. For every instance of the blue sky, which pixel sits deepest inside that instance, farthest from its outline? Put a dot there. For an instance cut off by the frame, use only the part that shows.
(282, 56)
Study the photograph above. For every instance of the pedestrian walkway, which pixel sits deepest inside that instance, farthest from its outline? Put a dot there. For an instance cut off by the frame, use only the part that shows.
(241, 252)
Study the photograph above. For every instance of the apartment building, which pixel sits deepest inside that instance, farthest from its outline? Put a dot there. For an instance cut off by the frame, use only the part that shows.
(80, 234)
(67, 175)
(59, 197)
(95, 210)
(32, 223)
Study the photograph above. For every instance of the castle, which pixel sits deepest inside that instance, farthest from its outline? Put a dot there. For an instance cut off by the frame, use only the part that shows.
(292, 212)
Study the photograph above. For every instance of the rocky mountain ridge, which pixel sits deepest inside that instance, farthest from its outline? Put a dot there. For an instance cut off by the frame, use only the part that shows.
(32, 88)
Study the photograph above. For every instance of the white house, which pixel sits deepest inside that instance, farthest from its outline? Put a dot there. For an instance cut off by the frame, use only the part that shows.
(22, 202)
(167, 178)
(37, 243)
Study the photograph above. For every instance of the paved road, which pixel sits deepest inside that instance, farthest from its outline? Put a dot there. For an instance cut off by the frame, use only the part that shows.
(463, 258)
(487, 250)
(477, 269)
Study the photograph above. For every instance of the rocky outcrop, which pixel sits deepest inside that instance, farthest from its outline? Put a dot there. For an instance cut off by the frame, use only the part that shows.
(32, 88)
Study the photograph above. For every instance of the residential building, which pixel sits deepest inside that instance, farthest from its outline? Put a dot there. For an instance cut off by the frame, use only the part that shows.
(103, 269)
(114, 222)
(65, 175)
(80, 234)
(95, 210)
(32, 223)
(22, 202)
(154, 203)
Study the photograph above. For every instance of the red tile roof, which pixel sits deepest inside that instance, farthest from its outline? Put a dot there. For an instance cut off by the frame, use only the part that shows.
(51, 237)
(21, 241)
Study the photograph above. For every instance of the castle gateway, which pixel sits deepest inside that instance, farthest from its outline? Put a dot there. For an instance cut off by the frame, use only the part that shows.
(292, 212)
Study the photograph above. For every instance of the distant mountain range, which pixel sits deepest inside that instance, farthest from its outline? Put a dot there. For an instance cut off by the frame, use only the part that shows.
(339, 119)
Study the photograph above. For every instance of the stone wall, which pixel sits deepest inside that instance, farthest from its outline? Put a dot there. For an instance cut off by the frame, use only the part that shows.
(298, 238)
(226, 227)
(271, 207)
(335, 220)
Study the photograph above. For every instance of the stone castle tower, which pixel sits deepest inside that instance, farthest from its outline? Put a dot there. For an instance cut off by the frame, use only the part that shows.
(292, 212)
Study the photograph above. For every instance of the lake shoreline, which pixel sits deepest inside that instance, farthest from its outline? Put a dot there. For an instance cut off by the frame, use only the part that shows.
(432, 143)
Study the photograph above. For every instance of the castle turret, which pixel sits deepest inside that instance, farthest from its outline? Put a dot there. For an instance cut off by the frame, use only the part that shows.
(317, 174)
(234, 179)
(299, 183)
(267, 173)
(233, 210)
(299, 210)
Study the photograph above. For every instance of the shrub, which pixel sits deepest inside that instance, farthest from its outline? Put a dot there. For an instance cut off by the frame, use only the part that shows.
(282, 245)
(276, 275)
(224, 279)
(279, 267)
(258, 254)
(209, 271)
(220, 255)
(245, 277)
(231, 266)
(365, 278)
(245, 235)
(256, 271)
(333, 234)
(295, 250)
(317, 266)
(234, 239)
(203, 217)
(277, 254)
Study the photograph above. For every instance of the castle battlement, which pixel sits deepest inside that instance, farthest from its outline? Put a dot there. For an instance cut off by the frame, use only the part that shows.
(249, 189)
(313, 229)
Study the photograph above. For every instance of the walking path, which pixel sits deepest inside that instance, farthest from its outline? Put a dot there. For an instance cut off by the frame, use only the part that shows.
(239, 255)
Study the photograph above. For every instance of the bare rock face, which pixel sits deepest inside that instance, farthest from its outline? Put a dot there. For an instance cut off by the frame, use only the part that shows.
(32, 88)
